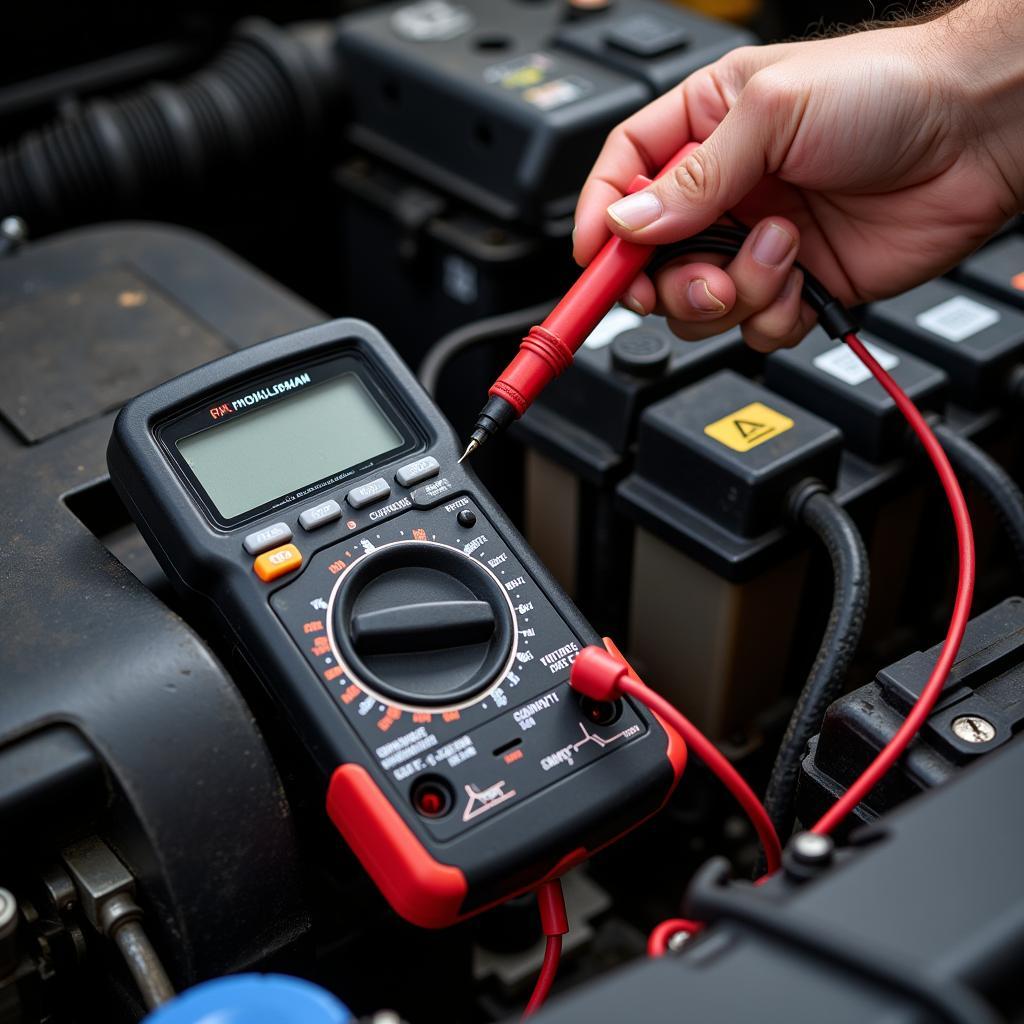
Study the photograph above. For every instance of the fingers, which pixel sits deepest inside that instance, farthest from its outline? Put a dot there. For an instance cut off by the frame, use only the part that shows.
(783, 323)
(717, 175)
(641, 297)
(640, 145)
(696, 294)
(750, 285)
(644, 142)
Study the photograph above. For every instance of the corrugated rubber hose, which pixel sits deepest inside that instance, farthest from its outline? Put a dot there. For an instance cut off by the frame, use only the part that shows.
(813, 507)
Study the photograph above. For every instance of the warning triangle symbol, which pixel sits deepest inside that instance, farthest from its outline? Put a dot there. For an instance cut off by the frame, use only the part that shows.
(749, 427)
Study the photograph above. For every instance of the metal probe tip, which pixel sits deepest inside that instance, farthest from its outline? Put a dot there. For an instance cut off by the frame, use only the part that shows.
(470, 448)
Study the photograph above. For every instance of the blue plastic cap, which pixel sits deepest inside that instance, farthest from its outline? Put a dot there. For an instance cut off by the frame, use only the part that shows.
(253, 999)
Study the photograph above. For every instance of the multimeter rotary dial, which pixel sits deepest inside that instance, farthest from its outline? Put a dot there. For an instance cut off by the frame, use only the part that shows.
(422, 625)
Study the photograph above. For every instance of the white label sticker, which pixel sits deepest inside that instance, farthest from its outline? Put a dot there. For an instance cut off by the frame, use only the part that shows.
(841, 363)
(957, 318)
(616, 321)
(433, 20)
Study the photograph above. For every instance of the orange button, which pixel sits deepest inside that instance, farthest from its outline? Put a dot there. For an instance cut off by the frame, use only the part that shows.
(1018, 281)
(272, 564)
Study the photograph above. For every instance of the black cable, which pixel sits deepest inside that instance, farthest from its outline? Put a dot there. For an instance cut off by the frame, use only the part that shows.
(445, 349)
(726, 241)
(710, 898)
(992, 480)
(812, 506)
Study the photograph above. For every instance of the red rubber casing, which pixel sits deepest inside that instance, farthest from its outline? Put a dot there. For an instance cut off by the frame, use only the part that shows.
(549, 348)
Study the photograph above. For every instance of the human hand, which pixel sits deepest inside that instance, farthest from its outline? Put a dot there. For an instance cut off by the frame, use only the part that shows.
(883, 157)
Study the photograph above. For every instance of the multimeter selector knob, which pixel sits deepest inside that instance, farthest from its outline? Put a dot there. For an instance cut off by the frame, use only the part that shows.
(422, 624)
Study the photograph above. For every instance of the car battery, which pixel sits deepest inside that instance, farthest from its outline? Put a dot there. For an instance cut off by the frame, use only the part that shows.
(448, 220)
(980, 710)
(529, 90)
(887, 502)
(718, 575)
(997, 270)
(977, 340)
(579, 437)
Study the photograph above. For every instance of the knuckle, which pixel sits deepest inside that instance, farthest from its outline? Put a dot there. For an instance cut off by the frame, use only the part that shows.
(769, 90)
(693, 178)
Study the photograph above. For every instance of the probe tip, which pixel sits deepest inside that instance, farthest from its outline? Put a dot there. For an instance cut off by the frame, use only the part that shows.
(470, 448)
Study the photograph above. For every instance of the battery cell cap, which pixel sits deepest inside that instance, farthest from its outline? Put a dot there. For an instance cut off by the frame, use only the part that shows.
(973, 337)
(731, 450)
(998, 270)
(643, 352)
(587, 419)
(273, 564)
(825, 376)
(253, 999)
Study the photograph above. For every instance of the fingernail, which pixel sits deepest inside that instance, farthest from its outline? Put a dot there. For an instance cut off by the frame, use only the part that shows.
(632, 304)
(772, 245)
(792, 278)
(636, 211)
(702, 298)
(573, 238)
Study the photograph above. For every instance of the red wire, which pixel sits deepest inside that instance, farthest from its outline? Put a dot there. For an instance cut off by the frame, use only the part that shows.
(919, 713)
(658, 942)
(555, 923)
(546, 978)
(716, 762)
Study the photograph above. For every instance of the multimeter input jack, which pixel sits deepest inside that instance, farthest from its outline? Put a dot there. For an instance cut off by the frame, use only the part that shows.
(432, 797)
(601, 712)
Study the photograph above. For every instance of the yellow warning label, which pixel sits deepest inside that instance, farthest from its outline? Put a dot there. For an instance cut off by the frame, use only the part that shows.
(748, 427)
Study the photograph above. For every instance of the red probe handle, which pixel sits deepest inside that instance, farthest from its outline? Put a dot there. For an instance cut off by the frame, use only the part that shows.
(549, 348)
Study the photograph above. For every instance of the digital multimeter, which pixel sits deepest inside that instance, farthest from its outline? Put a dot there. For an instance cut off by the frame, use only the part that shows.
(309, 490)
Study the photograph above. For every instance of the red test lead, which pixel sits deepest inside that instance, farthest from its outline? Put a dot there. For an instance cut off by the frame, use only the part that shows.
(549, 348)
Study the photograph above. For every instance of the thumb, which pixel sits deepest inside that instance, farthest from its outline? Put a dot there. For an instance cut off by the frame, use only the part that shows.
(712, 179)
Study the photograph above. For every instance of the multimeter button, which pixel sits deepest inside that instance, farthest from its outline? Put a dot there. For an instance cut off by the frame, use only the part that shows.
(433, 494)
(319, 515)
(418, 471)
(276, 563)
(375, 490)
(267, 538)
(466, 518)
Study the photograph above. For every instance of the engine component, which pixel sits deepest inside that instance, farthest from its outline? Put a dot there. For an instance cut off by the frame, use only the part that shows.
(417, 646)
(106, 892)
(268, 88)
(980, 710)
(867, 942)
(112, 710)
(248, 998)
(528, 95)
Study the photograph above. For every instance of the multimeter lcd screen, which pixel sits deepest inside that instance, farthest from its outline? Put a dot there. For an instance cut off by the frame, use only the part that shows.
(245, 463)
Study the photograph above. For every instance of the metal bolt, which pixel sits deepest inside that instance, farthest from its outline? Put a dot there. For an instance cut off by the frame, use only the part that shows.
(8, 912)
(677, 940)
(811, 848)
(14, 229)
(973, 729)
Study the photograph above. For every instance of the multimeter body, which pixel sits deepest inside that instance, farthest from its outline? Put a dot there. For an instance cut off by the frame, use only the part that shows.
(309, 490)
